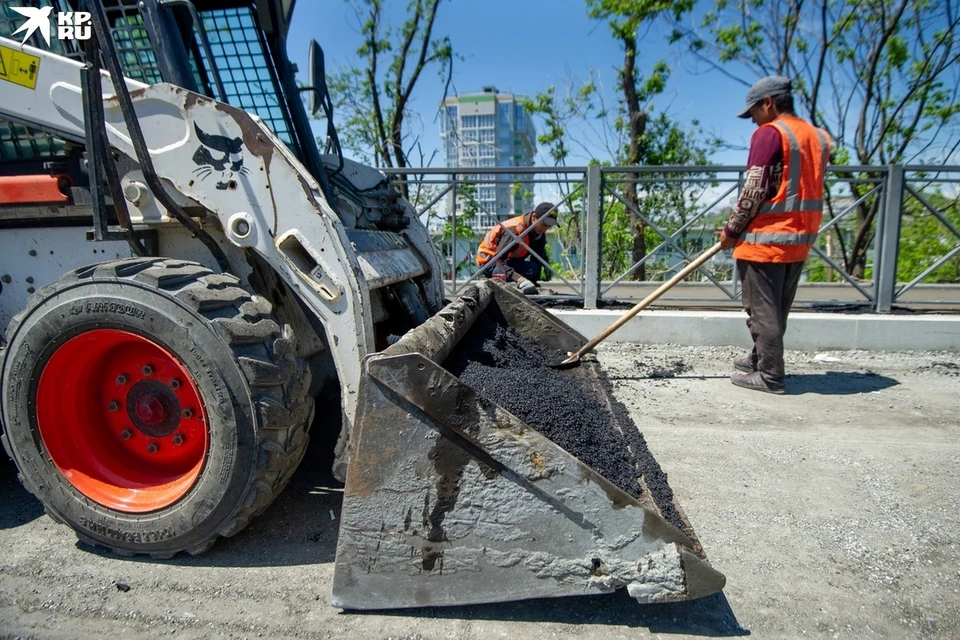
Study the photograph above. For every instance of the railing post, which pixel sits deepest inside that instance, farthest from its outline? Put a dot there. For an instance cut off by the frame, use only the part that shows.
(453, 237)
(591, 240)
(888, 239)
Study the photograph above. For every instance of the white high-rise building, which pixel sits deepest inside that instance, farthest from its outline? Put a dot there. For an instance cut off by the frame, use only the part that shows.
(490, 129)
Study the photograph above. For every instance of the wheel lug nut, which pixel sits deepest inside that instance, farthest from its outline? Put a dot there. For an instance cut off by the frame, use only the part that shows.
(113, 406)
(175, 383)
(153, 447)
(126, 434)
(122, 379)
(147, 370)
(187, 413)
(178, 439)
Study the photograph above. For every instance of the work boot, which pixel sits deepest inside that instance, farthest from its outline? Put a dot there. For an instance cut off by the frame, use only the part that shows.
(747, 363)
(756, 382)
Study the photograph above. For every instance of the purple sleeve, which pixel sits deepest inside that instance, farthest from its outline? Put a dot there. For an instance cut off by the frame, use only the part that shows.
(764, 168)
(766, 147)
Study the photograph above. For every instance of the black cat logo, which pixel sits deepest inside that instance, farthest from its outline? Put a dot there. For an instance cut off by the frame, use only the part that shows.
(221, 156)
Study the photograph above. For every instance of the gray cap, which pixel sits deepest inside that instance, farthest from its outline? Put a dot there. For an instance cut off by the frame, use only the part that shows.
(546, 212)
(772, 86)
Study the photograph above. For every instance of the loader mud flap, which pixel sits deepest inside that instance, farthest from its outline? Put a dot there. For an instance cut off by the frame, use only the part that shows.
(450, 499)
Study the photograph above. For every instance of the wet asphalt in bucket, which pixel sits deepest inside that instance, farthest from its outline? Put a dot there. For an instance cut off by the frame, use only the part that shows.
(575, 407)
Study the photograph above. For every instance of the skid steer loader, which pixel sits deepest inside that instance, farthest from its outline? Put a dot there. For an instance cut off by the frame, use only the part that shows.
(183, 272)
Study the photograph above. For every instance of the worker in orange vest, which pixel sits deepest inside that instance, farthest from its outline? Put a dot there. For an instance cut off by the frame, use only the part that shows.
(507, 249)
(775, 224)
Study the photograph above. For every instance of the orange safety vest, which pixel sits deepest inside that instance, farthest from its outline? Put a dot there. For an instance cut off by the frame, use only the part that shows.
(491, 243)
(787, 224)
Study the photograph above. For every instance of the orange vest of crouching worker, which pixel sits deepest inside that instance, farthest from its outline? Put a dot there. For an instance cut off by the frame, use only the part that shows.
(492, 242)
(786, 226)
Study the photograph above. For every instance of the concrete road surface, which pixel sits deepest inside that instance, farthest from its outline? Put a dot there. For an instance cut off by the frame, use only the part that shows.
(834, 512)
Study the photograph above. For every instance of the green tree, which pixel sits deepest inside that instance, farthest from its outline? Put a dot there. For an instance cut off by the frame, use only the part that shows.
(458, 227)
(556, 116)
(925, 239)
(665, 202)
(671, 205)
(625, 18)
(375, 96)
(878, 75)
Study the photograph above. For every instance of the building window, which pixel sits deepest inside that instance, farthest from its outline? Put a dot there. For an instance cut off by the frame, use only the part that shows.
(449, 121)
(505, 109)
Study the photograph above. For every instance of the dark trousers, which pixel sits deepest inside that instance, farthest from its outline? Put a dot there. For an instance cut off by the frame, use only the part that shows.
(514, 267)
(768, 292)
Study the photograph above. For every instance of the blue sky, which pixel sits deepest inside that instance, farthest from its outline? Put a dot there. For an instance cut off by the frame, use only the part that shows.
(525, 46)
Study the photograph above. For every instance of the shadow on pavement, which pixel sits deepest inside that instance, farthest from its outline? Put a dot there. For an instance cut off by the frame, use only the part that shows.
(299, 528)
(838, 383)
(827, 383)
(710, 616)
(17, 506)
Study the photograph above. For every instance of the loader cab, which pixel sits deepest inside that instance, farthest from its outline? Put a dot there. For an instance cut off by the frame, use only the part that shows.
(24, 150)
(231, 50)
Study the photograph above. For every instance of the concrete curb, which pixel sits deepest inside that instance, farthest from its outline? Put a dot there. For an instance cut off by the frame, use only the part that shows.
(806, 331)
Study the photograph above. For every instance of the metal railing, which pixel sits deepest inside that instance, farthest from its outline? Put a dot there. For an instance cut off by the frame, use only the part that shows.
(890, 234)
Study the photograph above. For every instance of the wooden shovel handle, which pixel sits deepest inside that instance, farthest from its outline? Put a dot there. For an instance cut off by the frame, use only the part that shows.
(643, 304)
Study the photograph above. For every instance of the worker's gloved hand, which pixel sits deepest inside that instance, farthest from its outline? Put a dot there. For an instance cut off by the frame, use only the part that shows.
(527, 288)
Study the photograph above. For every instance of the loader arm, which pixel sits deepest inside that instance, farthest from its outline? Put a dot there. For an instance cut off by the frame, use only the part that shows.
(265, 200)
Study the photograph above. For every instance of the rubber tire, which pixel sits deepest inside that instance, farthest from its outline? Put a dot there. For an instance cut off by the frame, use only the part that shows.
(254, 389)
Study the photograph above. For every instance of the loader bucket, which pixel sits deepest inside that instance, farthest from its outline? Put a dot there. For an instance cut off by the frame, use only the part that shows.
(453, 499)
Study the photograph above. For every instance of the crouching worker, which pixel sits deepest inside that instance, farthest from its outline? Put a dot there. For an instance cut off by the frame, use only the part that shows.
(517, 263)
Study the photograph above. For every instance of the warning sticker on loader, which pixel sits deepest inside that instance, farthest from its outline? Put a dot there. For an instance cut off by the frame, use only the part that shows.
(19, 67)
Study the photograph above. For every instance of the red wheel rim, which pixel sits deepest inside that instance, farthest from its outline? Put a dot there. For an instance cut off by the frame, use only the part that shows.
(122, 420)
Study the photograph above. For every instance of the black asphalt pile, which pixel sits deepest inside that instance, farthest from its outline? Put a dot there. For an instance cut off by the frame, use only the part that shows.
(574, 408)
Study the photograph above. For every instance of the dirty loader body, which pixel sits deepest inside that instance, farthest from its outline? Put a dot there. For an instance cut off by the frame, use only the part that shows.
(296, 260)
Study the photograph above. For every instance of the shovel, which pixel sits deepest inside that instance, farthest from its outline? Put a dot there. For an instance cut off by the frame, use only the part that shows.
(640, 306)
